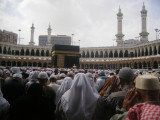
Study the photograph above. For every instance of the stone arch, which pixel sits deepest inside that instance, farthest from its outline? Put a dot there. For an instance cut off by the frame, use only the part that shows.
(27, 52)
(32, 52)
(39, 64)
(142, 52)
(82, 66)
(106, 54)
(47, 53)
(92, 54)
(37, 52)
(22, 51)
(8, 63)
(24, 63)
(149, 65)
(144, 65)
(29, 64)
(42, 53)
(9, 51)
(96, 54)
(155, 50)
(131, 54)
(17, 52)
(126, 53)
(45, 64)
(155, 65)
(101, 54)
(14, 63)
(120, 54)
(135, 53)
(34, 64)
(4, 50)
(91, 66)
(12, 52)
(146, 52)
(116, 54)
(150, 51)
(111, 54)
(87, 55)
(18, 64)
(3, 63)
(139, 53)
(135, 65)
(140, 65)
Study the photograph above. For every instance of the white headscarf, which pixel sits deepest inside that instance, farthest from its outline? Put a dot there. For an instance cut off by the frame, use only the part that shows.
(4, 105)
(66, 84)
(79, 102)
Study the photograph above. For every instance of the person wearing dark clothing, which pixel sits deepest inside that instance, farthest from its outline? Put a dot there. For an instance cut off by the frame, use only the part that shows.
(32, 106)
(106, 105)
(14, 89)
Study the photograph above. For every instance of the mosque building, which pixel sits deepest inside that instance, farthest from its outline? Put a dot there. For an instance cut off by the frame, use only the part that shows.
(137, 54)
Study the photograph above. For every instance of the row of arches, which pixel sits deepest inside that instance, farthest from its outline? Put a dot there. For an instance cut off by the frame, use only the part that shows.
(135, 65)
(24, 52)
(121, 53)
(26, 64)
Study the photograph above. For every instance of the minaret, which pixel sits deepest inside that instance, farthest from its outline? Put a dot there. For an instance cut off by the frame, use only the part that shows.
(32, 35)
(119, 34)
(144, 34)
(49, 36)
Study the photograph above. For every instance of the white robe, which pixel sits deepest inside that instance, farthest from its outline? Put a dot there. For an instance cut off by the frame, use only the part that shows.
(4, 105)
(66, 84)
(79, 102)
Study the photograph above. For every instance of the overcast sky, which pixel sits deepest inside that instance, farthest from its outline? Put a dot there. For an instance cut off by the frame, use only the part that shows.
(94, 22)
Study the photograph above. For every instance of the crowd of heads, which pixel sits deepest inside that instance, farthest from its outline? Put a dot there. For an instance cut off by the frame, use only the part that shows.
(77, 94)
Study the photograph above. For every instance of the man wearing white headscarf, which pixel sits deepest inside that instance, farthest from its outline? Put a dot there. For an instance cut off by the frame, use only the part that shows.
(66, 84)
(79, 102)
(33, 78)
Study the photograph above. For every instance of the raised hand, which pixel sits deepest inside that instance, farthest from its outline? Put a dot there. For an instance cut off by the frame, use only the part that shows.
(129, 99)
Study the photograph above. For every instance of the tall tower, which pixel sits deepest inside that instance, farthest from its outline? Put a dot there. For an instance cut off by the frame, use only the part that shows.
(144, 34)
(32, 35)
(119, 34)
(49, 36)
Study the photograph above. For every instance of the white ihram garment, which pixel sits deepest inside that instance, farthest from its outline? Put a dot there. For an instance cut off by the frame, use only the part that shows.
(79, 102)
(4, 105)
(66, 84)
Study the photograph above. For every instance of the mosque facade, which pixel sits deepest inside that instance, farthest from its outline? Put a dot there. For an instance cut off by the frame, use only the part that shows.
(137, 54)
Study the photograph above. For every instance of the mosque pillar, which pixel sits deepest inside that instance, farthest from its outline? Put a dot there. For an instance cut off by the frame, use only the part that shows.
(157, 48)
(152, 50)
(113, 53)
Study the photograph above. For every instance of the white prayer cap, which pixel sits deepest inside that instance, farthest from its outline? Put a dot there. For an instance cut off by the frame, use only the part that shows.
(126, 73)
(147, 82)
(62, 75)
(53, 76)
(17, 75)
(42, 75)
(15, 70)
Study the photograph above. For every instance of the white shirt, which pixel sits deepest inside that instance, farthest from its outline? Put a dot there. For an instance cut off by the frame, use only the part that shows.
(54, 86)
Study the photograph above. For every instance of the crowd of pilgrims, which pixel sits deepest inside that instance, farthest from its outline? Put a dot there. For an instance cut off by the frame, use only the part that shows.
(79, 94)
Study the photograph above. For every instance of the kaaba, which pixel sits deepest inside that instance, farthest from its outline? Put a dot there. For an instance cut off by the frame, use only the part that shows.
(65, 56)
